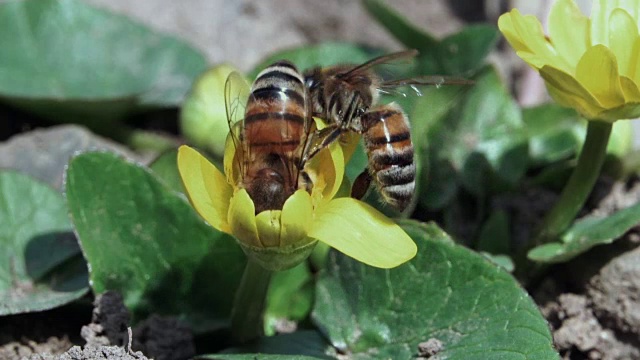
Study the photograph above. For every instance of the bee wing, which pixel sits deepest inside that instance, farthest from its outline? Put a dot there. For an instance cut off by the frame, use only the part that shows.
(389, 87)
(236, 94)
(384, 59)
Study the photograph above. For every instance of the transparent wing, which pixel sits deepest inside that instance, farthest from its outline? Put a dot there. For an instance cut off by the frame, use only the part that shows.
(414, 83)
(236, 94)
(384, 59)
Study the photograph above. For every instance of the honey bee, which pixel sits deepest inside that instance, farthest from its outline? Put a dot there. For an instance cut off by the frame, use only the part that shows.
(346, 96)
(271, 134)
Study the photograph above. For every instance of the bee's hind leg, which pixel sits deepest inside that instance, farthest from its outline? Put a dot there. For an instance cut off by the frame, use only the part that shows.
(361, 185)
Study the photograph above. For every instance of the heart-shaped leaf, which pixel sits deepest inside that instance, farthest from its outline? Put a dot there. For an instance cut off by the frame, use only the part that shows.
(40, 267)
(66, 60)
(145, 241)
(585, 234)
(446, 294)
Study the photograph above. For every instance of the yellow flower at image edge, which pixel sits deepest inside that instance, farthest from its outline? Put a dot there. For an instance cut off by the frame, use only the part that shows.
(589, 64)
(280, 239)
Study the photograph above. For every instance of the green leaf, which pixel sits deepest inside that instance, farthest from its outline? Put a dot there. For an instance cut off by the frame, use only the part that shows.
(464, 53)
(146, 242)
(504, 261)
(585, 234)
(325, 54)
(39, 267)
(495, 235)
(408, 34)
(257, 357)
(555, 133)
(446, 292)
(306, 344)
(66, 60)
(165, 167)
(289, 298)
(479, 144)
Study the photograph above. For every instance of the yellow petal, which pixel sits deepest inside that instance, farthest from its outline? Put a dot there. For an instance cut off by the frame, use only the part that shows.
(507, 28)
(360, 231)
(297, 213)
(530, 31)
(206, 187)
(626, 111)
(567, 91)
(332, 167)
(630, 89)
(242, 219)
(634, 62)
(623, 33)
(597, 72)
(349, 143)
(327, 171)
(600, 15)
(569, 31)
(268, 225)
(535, 61)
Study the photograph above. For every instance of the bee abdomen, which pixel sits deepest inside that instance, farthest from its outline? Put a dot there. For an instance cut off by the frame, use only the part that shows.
(387, 139)
(276, 112)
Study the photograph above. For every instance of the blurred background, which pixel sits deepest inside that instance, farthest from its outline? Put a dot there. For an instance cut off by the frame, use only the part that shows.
(243, 32)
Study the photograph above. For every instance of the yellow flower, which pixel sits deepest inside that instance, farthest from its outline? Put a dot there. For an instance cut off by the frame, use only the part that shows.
(589, 64)
(280, 239)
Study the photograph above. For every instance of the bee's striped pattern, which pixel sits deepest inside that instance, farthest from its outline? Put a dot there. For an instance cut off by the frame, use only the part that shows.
(387, 140)
(276, 112)
(274, 128)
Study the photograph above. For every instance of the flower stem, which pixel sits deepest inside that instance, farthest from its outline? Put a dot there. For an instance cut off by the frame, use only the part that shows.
(249, 304)
(580, 184)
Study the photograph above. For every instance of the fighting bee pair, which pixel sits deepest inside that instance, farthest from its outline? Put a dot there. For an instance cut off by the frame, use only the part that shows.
(276, 137)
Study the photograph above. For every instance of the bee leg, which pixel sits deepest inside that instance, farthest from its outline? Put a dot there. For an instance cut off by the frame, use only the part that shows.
(361, 185)
(322, 139)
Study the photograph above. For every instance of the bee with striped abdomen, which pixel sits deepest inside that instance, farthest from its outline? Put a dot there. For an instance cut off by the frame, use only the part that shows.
(346, 96)
(270, 135)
